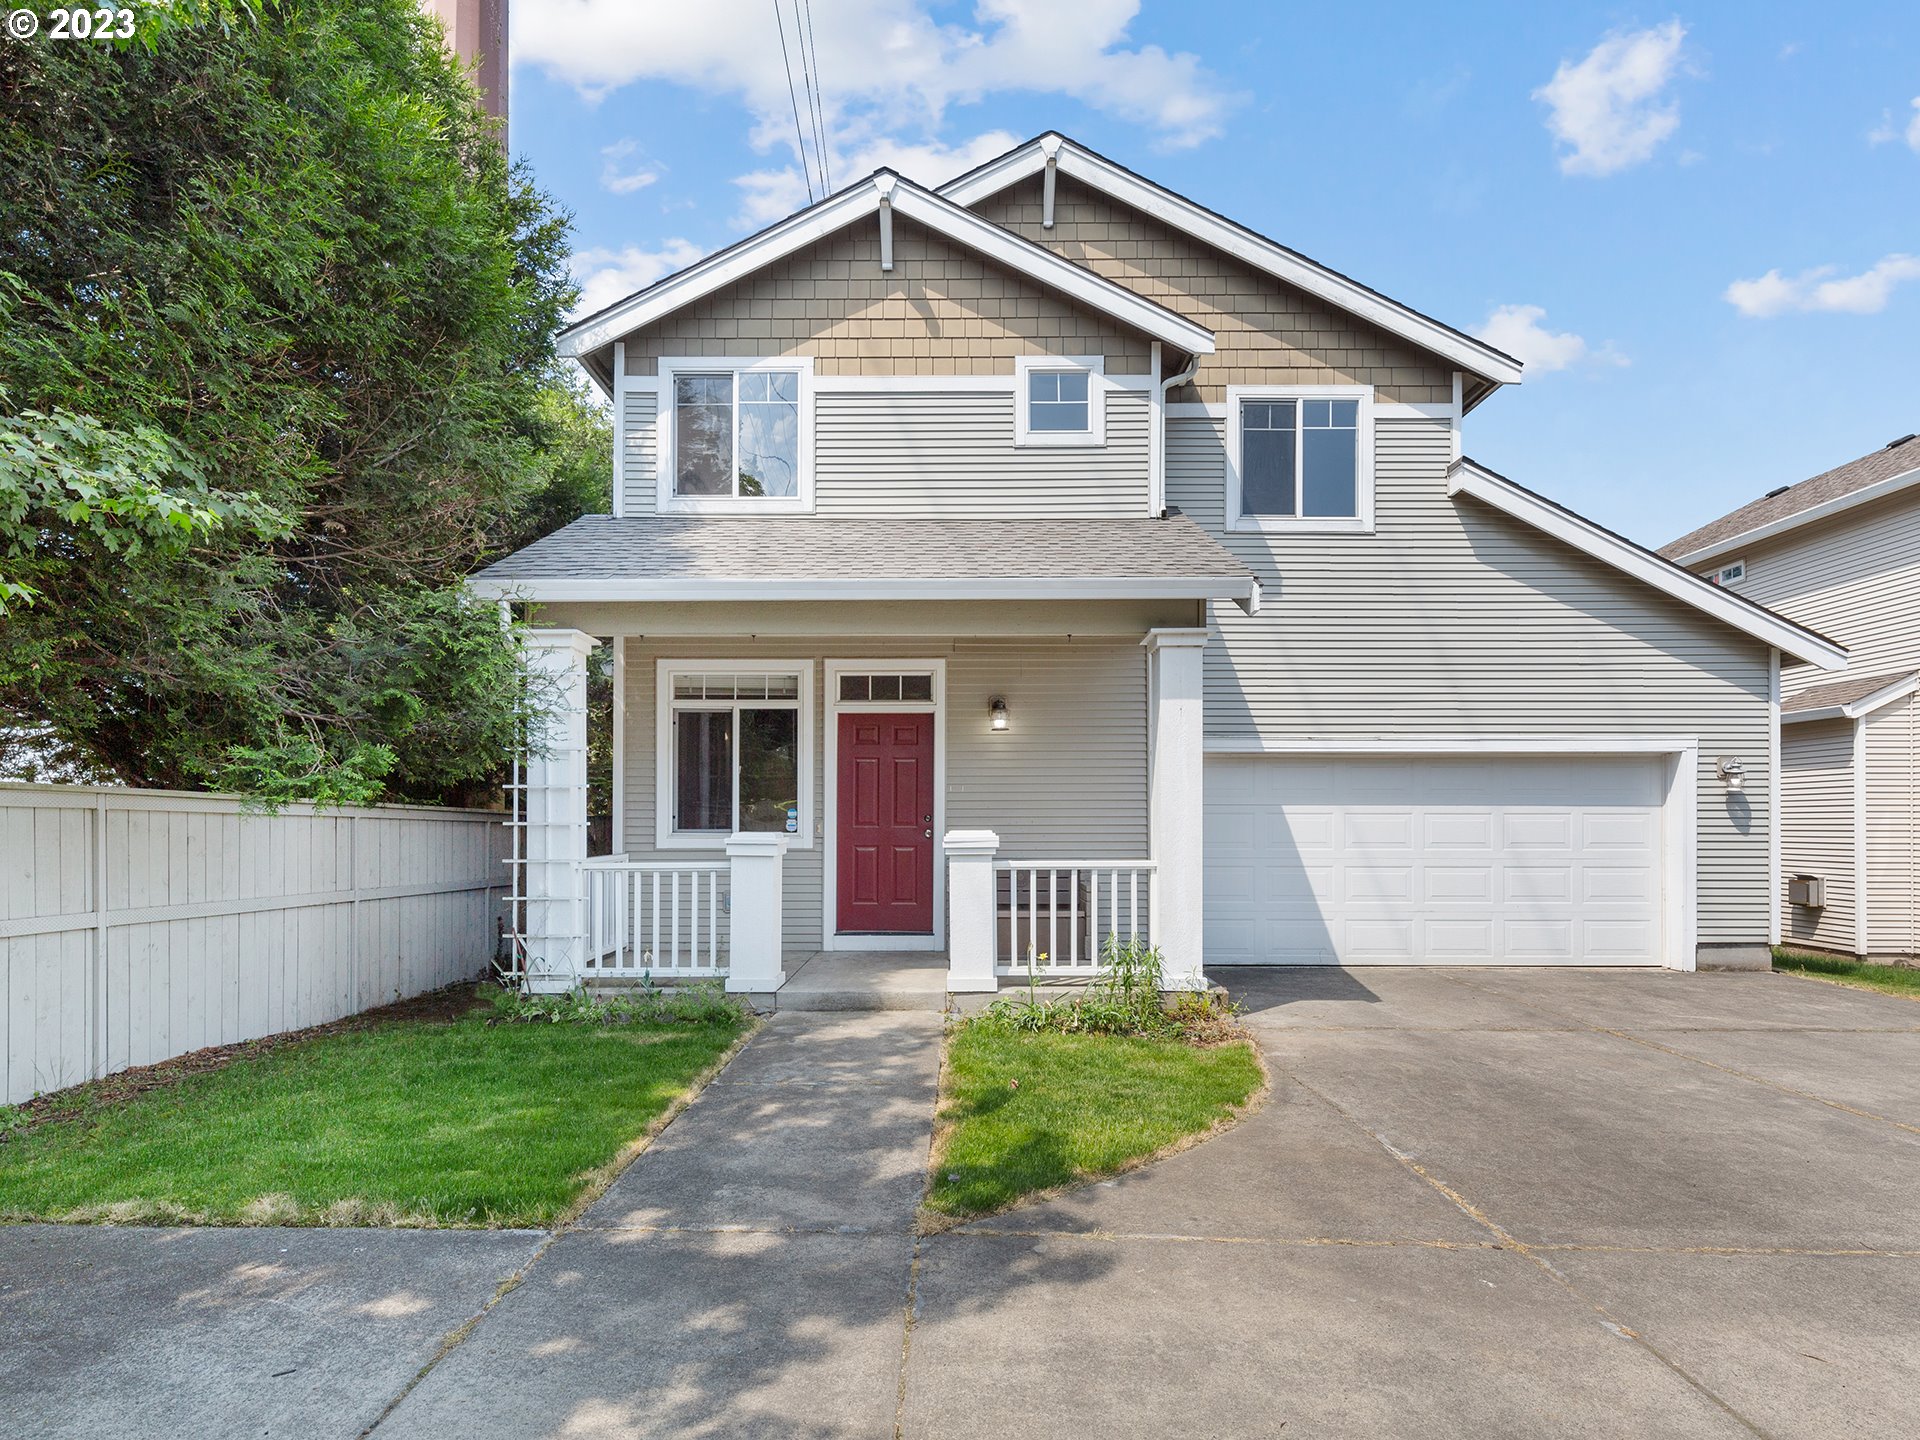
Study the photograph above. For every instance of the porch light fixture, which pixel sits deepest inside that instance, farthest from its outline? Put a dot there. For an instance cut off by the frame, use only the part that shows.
(997, 713)
(1731, 772)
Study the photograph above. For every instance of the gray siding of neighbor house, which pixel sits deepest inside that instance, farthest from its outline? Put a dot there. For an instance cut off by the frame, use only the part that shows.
(1067, 781)
(1855, 578)
(1816, 838)
(1893, 830)
(1452, 619)
(937, 454)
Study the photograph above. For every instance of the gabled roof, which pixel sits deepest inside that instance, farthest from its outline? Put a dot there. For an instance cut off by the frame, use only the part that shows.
(697, 557)
(1795, 642)
(1463, 350)
(1849, 699)
(863, 198)
(1889, 469)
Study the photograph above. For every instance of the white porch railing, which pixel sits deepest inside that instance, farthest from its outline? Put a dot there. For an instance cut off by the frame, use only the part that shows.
(669, 919)
(1054, 917)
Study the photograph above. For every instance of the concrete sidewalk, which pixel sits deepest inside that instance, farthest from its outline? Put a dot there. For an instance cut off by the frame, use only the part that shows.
(1477, 1202)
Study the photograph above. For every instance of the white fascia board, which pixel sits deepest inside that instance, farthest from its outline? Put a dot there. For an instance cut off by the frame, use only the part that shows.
(1892, 485)
(1467, 478)
(1243, 592)
(829, 216)
(1444, 744)
(1857, 709)
(1297, 270)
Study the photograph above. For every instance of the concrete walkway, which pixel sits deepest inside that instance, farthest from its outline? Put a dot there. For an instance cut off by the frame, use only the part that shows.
(1478, 1202)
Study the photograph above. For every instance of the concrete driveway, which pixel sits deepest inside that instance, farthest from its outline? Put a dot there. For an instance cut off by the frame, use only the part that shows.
(1477, 1202)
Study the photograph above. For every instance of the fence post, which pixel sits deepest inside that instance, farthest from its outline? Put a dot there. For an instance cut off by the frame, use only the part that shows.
(753, 935)
(971, 922)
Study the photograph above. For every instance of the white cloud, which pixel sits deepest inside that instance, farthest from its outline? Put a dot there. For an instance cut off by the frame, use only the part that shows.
(1821, 289)
(770, 195)
(1888, 129)
(1517, 329)
(616, 176)
(886, 68)
(605, 276)
(1608, 109)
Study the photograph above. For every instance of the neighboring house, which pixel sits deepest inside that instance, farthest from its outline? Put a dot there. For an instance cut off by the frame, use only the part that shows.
(1841, 553)
(1050, 557)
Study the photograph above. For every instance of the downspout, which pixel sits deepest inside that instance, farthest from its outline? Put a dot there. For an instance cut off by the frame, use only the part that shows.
(1157, 461)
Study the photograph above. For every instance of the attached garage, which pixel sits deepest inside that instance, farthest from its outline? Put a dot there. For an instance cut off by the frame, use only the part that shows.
(1423, 859)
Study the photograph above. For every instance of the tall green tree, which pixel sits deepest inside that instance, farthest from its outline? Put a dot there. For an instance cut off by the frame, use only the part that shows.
(276, 370)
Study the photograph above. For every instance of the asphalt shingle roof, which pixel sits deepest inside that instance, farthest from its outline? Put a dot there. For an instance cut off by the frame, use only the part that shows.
(670, 547)
(1841, 692)
(1837, 483)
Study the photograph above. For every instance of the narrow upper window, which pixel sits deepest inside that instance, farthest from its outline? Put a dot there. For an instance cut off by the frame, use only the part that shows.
(1059, 400)
(1730, 574)
(1300, 461)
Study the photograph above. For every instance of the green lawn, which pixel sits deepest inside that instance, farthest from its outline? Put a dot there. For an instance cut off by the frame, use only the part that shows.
(1083, 1105)
(408, 1123)
(1890, 979)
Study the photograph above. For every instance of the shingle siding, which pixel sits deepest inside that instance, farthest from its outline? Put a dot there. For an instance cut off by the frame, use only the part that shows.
(1068, 783)
(941, 310)
(1817, 838)
(1265, 331)
(1453, 619)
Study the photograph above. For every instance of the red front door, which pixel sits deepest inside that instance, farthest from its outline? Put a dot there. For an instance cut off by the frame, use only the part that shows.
(885, 814)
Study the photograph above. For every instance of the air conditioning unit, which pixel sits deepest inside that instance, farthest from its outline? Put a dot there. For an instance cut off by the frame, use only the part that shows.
(1809, 892)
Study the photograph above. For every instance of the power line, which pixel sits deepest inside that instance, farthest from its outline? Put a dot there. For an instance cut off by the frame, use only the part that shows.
(819, 105)
(799, 132)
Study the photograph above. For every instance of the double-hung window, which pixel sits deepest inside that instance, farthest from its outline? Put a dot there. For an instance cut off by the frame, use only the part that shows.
(733, 752)
(1059, 400)
(1300, 459)
(737, 434)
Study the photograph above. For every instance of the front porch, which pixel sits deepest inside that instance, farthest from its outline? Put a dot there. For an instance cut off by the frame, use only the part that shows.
(872, 878)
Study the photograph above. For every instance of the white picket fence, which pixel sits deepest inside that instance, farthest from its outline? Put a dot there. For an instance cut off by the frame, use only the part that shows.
(136, 925)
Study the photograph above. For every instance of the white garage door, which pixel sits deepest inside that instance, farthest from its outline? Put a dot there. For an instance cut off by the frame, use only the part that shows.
(1430, 861)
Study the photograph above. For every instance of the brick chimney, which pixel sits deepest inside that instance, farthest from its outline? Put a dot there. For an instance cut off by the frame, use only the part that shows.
(477, 32)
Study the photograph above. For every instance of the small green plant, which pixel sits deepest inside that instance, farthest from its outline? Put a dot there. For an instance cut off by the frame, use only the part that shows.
(12, 1118)
(704, 1002)
(1125, 1000)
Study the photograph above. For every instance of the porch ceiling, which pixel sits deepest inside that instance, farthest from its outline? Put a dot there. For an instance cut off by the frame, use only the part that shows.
(689, 558)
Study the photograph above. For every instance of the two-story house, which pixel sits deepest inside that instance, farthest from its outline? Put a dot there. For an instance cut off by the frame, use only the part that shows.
(1049, 558)
(1841, 553)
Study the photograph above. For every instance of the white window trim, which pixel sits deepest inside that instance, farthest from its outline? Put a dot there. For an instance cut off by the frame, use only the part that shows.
(830, 936)
(666, 837)
(672, 504)
(1721, 578)
(1360, 523)
(1095, 435)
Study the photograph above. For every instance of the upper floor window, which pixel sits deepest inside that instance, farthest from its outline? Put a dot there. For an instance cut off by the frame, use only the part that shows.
(1731, 573)
(1059, 400)
(738, 434)
(1300, 459)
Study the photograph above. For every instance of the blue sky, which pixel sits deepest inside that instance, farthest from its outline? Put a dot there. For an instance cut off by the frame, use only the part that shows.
(1701, 226)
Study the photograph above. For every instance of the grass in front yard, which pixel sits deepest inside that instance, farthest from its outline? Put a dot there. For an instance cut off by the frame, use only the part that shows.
(1024, 1111)
(1889, 979)
(462, 1123)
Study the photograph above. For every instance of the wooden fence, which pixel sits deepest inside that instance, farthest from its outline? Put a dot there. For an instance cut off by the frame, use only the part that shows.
(136, 925)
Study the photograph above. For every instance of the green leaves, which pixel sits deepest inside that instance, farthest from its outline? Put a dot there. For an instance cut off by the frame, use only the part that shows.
(275, 327)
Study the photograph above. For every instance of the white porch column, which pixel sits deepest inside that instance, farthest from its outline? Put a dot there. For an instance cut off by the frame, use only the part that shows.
(753, 933)
(971, 920)
(553, 811)
(1176, 744)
